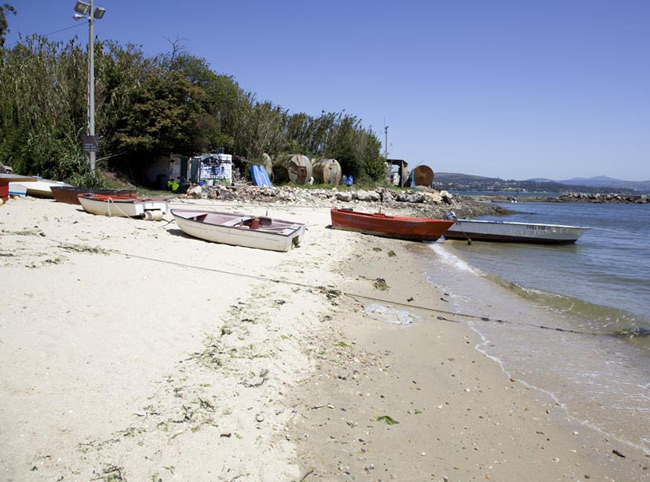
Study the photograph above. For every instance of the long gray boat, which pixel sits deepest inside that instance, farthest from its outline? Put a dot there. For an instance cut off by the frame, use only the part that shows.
(513, 232)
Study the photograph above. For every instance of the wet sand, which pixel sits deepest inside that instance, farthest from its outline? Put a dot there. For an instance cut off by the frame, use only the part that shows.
(129, 351)
(457, 415)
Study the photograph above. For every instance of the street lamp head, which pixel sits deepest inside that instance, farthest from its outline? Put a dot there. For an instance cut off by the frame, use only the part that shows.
(99, 13)
(82, 8)
(76, 16)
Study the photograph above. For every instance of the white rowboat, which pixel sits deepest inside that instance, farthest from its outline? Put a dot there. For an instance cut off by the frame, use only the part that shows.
(121, 206)
(240, 230)
(513, 232)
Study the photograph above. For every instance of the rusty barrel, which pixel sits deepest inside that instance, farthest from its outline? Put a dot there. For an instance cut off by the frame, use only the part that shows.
(422, 176)
(327, 171)
(295, 168)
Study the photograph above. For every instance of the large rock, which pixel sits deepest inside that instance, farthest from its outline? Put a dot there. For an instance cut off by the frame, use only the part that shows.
(367, 196)
(447, 197)
(344, 196)
(411, 197)
(434, 197)
(386, 195)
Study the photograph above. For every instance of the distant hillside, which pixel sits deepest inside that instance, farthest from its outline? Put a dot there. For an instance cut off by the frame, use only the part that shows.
(463, 178)
(602, 184)
(604, 181)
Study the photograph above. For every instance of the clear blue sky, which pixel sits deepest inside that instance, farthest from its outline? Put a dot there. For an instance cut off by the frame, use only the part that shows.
(508, 88)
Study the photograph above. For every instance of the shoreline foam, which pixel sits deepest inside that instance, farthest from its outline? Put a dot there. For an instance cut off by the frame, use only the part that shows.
(597, 369)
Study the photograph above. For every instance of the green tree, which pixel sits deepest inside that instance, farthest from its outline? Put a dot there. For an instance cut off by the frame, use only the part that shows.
(147, 106)
(40, 113)
(5, 8)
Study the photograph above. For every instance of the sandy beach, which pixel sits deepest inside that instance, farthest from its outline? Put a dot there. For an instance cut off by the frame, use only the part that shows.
(132, 352)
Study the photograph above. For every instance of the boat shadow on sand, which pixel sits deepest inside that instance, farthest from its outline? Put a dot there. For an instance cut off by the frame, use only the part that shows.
(182, 234)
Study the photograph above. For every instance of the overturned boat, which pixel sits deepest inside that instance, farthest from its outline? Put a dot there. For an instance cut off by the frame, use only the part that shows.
(259, 232)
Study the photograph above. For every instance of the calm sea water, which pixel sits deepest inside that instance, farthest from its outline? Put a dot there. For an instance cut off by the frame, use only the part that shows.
(609, 266)
(598, 289)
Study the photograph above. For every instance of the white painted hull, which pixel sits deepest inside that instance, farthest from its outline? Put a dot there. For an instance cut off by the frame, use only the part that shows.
(282, 238)
(514, 232)
(133, 208)
(17, 189)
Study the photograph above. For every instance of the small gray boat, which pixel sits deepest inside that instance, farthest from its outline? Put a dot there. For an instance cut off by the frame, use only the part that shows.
(512, 232)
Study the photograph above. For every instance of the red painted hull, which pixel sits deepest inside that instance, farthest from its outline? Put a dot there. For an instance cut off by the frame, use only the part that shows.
(378, 224)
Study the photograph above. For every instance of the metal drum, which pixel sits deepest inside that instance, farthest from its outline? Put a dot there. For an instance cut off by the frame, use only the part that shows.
(327, 171)
(295, 168)
(422, 176)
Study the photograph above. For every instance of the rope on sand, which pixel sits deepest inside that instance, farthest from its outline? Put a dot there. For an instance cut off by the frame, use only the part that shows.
(467, 315)
(353, 296)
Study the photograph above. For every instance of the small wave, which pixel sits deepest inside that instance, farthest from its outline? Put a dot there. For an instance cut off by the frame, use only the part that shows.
(453, 260)
(597, 318)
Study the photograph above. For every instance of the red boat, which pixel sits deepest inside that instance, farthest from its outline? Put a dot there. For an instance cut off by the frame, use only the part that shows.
(70, 195)
(379, 224)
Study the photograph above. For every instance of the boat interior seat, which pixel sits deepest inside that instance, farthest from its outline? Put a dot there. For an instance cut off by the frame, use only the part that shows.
(234, 222)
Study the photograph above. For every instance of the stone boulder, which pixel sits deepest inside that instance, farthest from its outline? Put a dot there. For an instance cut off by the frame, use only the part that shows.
(368, 196)
(434, 197)
(344, 196)
(447, 197)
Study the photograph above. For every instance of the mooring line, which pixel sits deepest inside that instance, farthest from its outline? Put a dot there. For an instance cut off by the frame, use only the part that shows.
(353, 296)
(467, 315)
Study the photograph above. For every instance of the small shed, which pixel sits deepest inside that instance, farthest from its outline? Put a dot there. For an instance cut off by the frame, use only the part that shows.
(211, 168)
(397, 172)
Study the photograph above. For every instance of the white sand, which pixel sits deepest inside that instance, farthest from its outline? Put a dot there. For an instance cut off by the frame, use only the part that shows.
(140, 363)
(129, 351)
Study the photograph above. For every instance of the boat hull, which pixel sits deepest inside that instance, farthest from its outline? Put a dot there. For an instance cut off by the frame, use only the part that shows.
(278, 236)
(41, 187)
(70, 195)
(120, 206)
(378, 224)
(16, 189)
(507, 232)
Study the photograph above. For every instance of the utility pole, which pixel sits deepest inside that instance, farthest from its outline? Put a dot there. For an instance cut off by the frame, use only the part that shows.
(386, 142)
(91, 83)
(89, 12)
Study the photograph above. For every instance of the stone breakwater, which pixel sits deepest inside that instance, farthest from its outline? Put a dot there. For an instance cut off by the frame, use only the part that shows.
(602, 198)
(419, 203)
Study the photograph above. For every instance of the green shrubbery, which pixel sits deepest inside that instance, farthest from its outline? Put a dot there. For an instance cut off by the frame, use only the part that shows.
(150, 106)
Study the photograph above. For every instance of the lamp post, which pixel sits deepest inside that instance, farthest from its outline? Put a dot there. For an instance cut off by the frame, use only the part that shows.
(90, 13)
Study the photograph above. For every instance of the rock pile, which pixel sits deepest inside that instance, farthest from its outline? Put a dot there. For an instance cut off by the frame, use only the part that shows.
(603, 198)
(420, 203)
